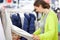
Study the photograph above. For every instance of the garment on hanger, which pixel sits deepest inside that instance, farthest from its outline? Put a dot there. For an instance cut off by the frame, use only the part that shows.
(26, 24)
(1, 1)
(22, 18)
(29, 23)
(2, 36)
(32, 23)
(8, 27)
(16, 20)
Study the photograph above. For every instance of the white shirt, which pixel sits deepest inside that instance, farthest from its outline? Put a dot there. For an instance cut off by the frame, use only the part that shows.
(2, 36)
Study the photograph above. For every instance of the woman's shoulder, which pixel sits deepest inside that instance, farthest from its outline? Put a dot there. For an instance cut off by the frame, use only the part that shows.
(52, 13)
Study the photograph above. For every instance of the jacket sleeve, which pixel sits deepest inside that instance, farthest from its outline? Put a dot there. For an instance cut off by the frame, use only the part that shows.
(37, 32)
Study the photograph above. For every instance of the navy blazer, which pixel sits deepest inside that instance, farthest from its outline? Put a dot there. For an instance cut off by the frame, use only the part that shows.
(16, 20)
(29, 23)
(1, 1)
(32, 23)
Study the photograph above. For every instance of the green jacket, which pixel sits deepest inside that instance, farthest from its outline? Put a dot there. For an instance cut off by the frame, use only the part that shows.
(50, 29)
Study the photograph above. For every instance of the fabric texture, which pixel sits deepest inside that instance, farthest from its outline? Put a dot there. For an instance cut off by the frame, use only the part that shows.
(32, 23)
(16, 20)
(1, 1)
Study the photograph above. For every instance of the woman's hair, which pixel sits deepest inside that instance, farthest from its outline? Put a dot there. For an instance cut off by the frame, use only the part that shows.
(43, 3)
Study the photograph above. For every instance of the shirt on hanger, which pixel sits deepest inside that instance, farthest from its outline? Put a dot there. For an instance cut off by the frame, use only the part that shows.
(2, 36)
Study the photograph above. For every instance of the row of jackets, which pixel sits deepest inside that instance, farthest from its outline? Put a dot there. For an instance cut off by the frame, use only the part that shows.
(27, 24)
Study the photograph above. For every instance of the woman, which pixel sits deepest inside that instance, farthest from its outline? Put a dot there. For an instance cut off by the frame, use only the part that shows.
(49, 28)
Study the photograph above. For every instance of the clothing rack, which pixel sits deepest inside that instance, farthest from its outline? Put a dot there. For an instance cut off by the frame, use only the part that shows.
(8, 27)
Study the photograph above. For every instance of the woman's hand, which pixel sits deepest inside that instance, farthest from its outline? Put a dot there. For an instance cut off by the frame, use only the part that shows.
(35, 37)
(15, 36)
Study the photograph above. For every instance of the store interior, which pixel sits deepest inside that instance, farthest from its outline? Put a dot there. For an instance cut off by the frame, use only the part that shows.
(21, 14)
